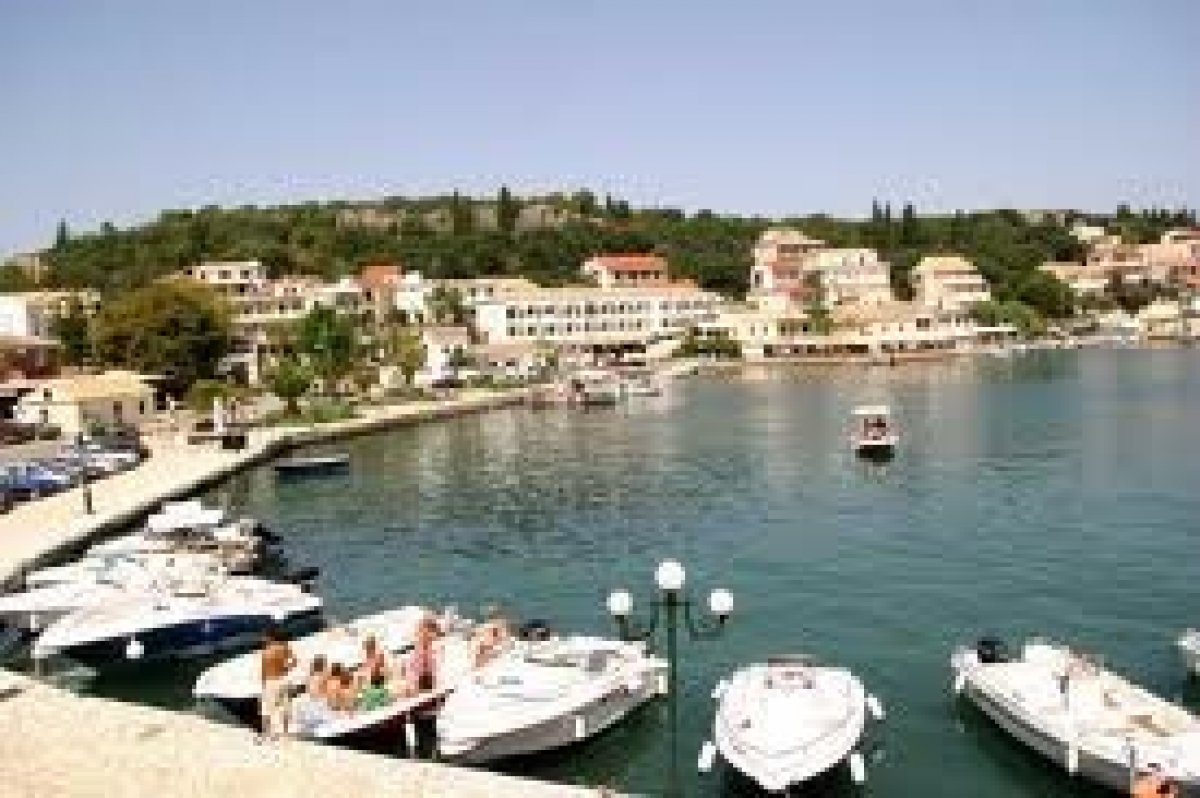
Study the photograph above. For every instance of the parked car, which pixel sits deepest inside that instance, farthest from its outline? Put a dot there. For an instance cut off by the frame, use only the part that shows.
(29, 480)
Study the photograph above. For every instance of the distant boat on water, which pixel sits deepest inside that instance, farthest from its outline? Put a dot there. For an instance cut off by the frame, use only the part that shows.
(312, 464)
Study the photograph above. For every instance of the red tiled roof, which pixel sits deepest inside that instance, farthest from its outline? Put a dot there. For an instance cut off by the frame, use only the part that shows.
(380, 274)
(629, 263)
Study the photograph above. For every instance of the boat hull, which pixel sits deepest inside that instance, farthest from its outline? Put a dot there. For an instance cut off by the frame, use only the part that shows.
(193, 638)
(557, 732)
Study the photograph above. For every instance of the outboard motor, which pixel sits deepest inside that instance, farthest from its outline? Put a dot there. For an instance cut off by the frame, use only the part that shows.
(535, 629)
(304, 577)
(992, 650)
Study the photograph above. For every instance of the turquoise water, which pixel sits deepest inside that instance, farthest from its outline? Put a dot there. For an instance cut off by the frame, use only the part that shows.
(1055, 493)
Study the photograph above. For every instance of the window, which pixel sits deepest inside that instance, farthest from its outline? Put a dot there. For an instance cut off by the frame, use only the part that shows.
(48, 394)
(142, 408)
(117, 411)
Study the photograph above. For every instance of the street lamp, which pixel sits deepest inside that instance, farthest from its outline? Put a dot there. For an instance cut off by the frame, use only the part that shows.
(671, 577)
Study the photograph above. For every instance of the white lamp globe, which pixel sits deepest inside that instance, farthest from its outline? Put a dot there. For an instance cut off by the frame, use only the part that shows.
(720, 603)
(620, 603)
(670, 576)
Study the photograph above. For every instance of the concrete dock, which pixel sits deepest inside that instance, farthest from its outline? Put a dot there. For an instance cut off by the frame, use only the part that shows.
(55, 743)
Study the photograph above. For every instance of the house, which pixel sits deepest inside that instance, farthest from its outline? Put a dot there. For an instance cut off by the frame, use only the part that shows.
(33, 313)
(589, 324)
(787, 263)
(380, 283)
(1083, 279)
(782, 263)
(1175, 258)
(949, 282)
(620, 271)
(77, 404)
(27, 356)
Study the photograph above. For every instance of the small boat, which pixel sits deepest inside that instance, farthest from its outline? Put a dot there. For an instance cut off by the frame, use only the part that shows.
(1084, 718)
(1189, 647)
(312, 464)
(539, 695)
(189, 619)
(788, 721)
(873, 435)
(112, 567)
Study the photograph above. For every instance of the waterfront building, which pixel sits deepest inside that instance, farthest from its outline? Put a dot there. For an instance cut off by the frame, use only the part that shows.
(589, 324)
(1118, 260)
(789, 264)
(785, 331)
(949, 282)
(414, 292)
(622, 271)
(1082, 278)
(31, 314)
(1174, 258)
(76, 404)
(380, 284)
(1161, 320)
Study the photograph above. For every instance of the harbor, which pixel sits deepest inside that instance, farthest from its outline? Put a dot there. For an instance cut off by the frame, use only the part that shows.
(832, 558)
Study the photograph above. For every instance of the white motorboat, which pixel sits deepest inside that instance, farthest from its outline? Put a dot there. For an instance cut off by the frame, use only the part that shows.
(114, 580)
(873, 434)
(112, 567)
(187, 619)
(235, 683)
(1189, 647)
(788, 721)
(191, 527)
(545, 694)
(1082, 717)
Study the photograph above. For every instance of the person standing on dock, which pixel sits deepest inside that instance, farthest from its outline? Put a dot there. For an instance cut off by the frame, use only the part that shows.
(277, 661)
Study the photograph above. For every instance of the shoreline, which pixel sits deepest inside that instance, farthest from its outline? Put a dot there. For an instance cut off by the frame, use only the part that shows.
(134, 750)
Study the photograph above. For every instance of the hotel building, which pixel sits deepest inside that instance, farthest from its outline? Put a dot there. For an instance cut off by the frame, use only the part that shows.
(949, 282)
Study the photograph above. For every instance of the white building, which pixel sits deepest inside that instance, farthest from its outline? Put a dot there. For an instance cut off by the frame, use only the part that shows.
(1082, 278)
(445, 350)
(32, 314)
(949, 282)
(789, 264)
(594, 323)
(852, 275)
(76, 404)
(625, 271)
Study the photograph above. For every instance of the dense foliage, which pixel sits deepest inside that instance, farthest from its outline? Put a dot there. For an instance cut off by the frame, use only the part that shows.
(461, 237)
(172, 328)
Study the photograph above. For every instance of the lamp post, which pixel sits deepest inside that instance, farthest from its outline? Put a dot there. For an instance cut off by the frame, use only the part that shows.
(85, 483)
(671, 601)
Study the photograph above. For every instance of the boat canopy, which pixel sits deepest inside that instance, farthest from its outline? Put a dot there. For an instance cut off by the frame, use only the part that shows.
(872, 410)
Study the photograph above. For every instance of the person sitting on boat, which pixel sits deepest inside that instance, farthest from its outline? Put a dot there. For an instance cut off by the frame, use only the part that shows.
(420, 674)
(491, 637)
(311, 708)
(340, 692)
(1153, 784)
(276, 661)
(374, 668)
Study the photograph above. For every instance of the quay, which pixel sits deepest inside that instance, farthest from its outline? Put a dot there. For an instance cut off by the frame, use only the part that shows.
(55, 743)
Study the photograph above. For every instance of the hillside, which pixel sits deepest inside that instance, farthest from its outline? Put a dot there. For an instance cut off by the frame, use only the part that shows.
(545, 238)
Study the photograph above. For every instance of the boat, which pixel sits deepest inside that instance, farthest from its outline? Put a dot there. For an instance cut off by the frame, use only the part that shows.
(540, 695)
(642, 386)
(596, 388)
(312, 464)
(1189, 647)
(235, 683)
(112, 567)
(1084, 718)
(787, 721)
(189, 526)
(188, 619)
(873, 435)
(45, 602)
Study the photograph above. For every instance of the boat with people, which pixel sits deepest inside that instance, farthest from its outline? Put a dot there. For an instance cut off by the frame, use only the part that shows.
(786, 721)
(184, 619)
(872, 434)
(312, 465)
(545, 693)
(1189, 646)
(1083, 717)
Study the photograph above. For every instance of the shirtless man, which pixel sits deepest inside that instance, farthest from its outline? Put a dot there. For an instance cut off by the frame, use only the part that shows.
(277, 660)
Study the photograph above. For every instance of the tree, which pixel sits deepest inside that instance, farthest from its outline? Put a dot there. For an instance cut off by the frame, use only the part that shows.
(406, 351)
(507, 211)
(73, 332)
(330, 341)
(62, 235)
(446, 305)
(175, 328)
(290, 380)
(462, 218)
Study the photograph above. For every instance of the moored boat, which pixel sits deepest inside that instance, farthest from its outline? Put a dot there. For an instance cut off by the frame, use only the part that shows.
(1084, 718)
(787, 721)
(312, 464)
(190, 619)
(540, 695)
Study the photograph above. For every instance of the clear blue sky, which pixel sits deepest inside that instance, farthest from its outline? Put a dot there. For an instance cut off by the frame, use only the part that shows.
(114, 109)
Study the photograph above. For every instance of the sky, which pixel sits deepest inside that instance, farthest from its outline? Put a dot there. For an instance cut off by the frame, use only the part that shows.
(117, 109)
